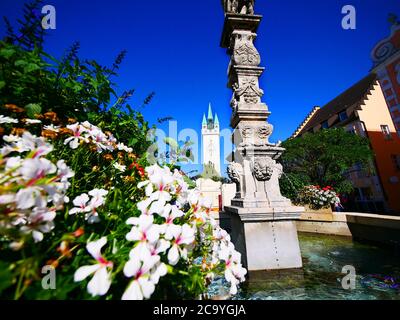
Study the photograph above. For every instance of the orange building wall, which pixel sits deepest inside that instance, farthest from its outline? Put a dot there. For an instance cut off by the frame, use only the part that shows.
(383, 150)
(373, 114)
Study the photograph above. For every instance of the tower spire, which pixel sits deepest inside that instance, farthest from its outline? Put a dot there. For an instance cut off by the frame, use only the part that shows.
(216, 120)
(210, 114)
(204, 119)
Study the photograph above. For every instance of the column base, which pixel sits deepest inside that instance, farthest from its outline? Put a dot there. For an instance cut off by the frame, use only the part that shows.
(267, 241)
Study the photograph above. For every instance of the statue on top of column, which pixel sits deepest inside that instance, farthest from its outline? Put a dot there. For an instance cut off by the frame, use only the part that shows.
(239, 6)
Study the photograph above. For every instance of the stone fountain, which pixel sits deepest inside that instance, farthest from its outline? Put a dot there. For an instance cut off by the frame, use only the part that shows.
(262, 220)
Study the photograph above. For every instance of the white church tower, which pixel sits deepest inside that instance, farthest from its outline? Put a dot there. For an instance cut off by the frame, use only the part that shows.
(211, 140)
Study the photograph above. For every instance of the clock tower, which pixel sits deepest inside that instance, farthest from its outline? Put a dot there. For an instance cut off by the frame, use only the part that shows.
(211, 141)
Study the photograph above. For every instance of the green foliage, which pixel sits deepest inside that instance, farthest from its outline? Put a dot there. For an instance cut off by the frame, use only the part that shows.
(70, 87)
(34, 84)
(291, 183)
(210, 172)
(323, 158)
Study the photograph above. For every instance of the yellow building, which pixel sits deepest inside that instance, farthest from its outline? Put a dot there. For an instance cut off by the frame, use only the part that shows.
(362, 109)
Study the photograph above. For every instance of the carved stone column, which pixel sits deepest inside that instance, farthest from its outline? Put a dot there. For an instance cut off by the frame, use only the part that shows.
(259, 207)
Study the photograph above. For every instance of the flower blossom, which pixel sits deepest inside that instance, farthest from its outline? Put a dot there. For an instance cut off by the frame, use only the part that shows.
(180, 236)
(89, 206)
(101, 281)
(7, 120)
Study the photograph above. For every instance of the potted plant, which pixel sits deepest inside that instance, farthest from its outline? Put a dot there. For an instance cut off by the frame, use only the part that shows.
(318, 202)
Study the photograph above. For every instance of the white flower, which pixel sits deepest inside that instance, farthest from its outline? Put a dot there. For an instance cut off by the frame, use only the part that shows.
(161, 178)
(64, 172)
(26, 198)
(101, 281)
(138, 268)
(234, 273)
(119, 167)
(122, 147)
(34, 169)
(28, 142)
(52, 128)
(32, 121)
(179, 236)
(4, 119)
(143, 229)
(7, 198)
(90, 206)
(98, 197)
(39, 221)
(81, 204)
(149, 207)
(77, 131)
(170, 213)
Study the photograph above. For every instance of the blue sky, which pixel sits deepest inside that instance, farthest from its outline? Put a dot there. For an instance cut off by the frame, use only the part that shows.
(173, 49)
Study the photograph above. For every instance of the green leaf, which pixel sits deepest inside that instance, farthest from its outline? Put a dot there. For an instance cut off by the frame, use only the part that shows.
(31, 67)
(6, 53)
(2, 84)
(33, 109)
(5, 276)
(133, 141)
(20, 63)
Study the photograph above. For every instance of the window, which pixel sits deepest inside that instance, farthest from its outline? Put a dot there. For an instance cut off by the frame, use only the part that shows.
(325, 125)
(343, 116)
(352, 130)
(386, 132)
(396, 161)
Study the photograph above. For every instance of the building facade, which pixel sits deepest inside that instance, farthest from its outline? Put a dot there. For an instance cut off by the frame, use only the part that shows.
(210, 134)
(362, 110)
(386, 60)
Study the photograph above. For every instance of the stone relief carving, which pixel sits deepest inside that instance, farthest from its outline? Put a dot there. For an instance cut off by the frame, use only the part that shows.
(230, 6)
(247, 132)
(235, 99)
(253, 134)
(244, 51)
(264, 132)
(239, 6)
(263, 168)
(249, 90)
(235, 171)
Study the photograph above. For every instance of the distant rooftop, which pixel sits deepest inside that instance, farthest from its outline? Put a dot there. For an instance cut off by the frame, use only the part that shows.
(348, 98)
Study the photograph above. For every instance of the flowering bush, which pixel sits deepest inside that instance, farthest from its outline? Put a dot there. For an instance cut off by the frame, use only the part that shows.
(80, 201)
(78, 195)
(317, 197)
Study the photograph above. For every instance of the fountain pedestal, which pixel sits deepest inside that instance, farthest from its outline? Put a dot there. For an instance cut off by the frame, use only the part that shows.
(265, 243)
(263, 221)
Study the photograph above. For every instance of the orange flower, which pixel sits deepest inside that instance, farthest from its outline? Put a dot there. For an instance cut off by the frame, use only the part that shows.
(132, 156)
(52, 116)
(78, 233)
(66, 131)
(120, 155)
(64, 249)
(71, 120)
(53, 263)
(108, 157)
(17, 131)
(14, 108)
(1, 131)
(49, 134)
